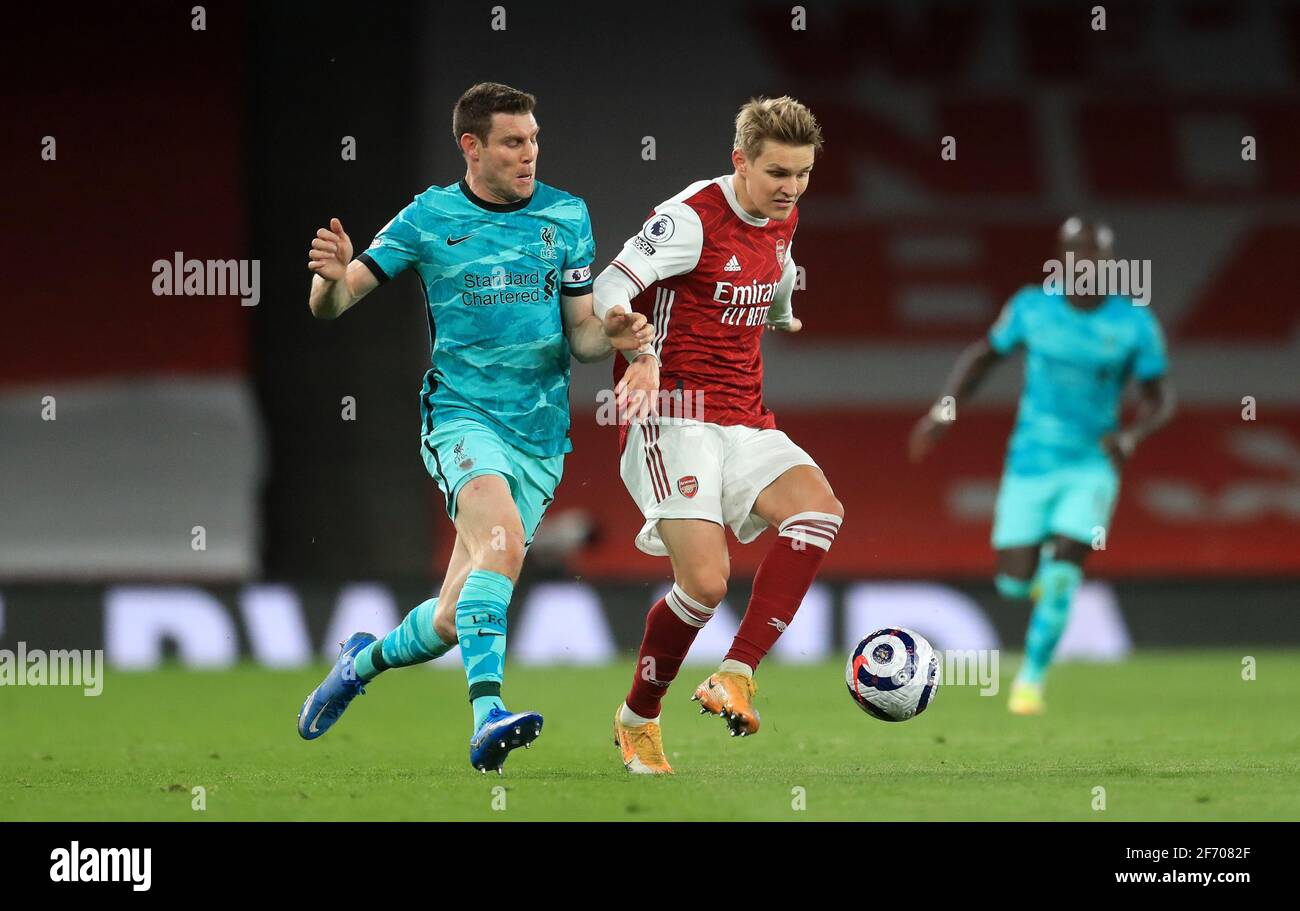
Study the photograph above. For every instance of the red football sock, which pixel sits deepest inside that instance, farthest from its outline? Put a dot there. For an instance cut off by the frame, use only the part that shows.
(781, 582)
(670, 628)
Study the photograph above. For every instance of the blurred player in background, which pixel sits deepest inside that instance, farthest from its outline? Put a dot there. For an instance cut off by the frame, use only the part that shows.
(711, 268)
(1061, 477)
(505, 264)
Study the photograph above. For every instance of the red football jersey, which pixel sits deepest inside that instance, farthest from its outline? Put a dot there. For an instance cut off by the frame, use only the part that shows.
(708, 272)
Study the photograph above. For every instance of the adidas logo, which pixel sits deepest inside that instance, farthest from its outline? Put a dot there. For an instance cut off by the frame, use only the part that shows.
(733, 264)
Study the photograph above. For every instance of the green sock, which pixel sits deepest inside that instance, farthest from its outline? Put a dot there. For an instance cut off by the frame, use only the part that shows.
(481, 629)
(414, 641)
(1057, 581)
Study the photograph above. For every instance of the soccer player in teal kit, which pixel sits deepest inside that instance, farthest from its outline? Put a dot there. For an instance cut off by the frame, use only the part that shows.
(505, 264)
(1061, 476)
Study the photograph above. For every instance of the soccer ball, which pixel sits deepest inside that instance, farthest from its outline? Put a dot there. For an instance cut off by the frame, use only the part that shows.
(893, 674)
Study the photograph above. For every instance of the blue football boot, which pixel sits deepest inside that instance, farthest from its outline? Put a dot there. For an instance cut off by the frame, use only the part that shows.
(326, 703)
(500, 733)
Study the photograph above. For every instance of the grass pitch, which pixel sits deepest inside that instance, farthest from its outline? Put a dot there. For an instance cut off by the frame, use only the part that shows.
(1168, 735)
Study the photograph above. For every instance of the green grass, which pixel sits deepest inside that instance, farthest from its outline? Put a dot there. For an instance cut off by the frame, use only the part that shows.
(1170, 736)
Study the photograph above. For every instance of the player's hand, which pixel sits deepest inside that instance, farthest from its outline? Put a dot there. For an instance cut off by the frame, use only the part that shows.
(925, 434)
(1118, 447)
(794, 325)
(331, 251)
(628, 331)
(638, 391)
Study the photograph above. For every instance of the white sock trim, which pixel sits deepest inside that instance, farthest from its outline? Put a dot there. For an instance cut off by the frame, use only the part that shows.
(732, 666)
(816, 528)
(629, 717)
(687, 609)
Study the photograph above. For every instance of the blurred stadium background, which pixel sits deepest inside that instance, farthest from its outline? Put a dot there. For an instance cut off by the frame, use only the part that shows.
(181, 412)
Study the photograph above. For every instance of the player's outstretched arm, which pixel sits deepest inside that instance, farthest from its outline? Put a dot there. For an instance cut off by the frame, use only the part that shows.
(592, 339)
(1156, 407)
(337, 281)
(972, 366)
(637, 393)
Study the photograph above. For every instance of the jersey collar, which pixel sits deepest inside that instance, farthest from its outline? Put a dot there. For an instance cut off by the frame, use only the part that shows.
(729, 192)
(496, 206)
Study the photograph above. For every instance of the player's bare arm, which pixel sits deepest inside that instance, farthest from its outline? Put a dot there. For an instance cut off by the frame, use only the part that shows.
(337, 281)
(968, 373)
(591, 339)
(1156, 406)
(637, 391)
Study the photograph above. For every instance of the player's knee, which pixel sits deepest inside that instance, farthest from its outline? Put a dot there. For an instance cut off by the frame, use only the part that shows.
(1070, 551)
(508, 561)
(707, 586)
(825, 500)
(822, 503)
(1060, 577)
(502, 552)
(817, 524)
(444, 622)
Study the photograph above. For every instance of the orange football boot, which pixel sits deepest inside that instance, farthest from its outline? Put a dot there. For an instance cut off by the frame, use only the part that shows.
(730, 695)
(642, 746)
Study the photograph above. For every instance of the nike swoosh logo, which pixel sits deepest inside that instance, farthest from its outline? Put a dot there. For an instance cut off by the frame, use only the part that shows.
(486, 633)
(312, 727)
(452, 241)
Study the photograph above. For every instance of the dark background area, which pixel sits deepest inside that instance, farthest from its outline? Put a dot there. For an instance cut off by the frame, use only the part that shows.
(351, 498)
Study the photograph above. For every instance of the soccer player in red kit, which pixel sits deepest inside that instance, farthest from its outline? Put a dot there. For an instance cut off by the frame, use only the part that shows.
(711, 268)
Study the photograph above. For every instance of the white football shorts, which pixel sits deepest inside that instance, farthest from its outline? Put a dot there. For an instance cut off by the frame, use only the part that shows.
(685, 469)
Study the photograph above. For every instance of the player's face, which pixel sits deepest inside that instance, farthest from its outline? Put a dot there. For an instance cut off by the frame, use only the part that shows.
(1085, 246)
(508, 160)
(777, 177)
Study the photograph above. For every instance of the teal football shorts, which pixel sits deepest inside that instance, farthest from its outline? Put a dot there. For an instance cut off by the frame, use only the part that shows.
(459, 450)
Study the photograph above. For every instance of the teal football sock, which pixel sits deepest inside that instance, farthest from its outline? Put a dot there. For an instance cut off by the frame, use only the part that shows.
(414, 641)
(481, 629)
(1057, 582)
(1011, 588)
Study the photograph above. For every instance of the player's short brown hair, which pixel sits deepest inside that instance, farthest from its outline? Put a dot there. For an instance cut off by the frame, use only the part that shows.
(781, 119)
(474, 110)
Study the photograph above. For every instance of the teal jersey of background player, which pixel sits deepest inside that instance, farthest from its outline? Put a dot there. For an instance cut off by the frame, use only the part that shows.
(492, 276)
(1077, 364)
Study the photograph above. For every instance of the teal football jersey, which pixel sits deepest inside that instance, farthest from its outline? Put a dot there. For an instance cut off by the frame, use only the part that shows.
(492, 276)
(1077, 364)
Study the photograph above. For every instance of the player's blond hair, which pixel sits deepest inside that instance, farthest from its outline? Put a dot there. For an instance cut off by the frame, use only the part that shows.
(781, 119)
